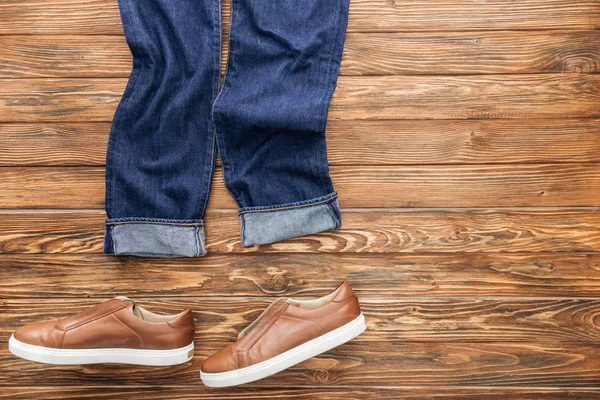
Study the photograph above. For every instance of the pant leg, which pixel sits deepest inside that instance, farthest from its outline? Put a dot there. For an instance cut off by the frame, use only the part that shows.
(161, 151)
(271, 114)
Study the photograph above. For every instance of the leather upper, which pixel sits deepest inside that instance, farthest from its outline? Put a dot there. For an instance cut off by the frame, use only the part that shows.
(113, 324)
(282, 327)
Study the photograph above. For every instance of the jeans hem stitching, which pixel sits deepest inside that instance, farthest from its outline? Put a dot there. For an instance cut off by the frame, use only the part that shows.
(112, 222)
(307, 203)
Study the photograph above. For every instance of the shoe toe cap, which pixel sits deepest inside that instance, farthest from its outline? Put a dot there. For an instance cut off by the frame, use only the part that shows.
(222, 361)
(35, 334)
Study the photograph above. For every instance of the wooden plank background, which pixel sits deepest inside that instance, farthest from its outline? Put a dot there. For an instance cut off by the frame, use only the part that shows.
(464, 140)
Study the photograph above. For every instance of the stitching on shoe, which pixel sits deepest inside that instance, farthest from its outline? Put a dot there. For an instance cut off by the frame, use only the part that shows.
(345, 298)
(265, 329)
(132, 331)
(307, 320)
(50, 335)
(94, 319)
(244, 355)
(179, 327)
(190, 325)
(62, 339)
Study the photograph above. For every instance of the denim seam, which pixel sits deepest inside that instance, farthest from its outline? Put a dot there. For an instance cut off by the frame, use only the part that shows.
(155, 223)
(155, 219)
(211, 171)
(216, 90)
(220, 95)
(330, 211)
(129, 89)
(197, 236)
(112, 238)
(328, 71)
(289, 206)
(242, 227)
(114, 241)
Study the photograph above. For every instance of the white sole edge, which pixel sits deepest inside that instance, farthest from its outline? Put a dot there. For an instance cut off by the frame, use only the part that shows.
(48, 355)
(288, 359)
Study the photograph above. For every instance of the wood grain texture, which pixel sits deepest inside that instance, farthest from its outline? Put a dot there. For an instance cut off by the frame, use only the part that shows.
(363, 231)
(358, 187)
(297, 274)
(349, 143)
(432, 275)
(464, 141)
(356, 98)
(434, 320)
(102, 16)
(75, 144)
(425, 15)
(449, 53)
(70, 56)
(466, 97)
(301, 393)
(357, 363)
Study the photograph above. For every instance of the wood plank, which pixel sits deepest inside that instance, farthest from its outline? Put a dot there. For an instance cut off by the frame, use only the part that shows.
(102, 16)
(70, 56)
(349, 142)
(466, 97)
(433, 275)
(425, 15)
(359, 187)
(81, 100)
(434, 320)
(401, 231)
(200, 392)
(466, 275)
(357, 363)
(462, 142)
(330, 393)
(470, 53)
(356, 98)
(62, 16)
(71, 144)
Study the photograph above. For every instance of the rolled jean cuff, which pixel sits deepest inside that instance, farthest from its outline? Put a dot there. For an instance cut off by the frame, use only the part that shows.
(264, 225)
(154, 237)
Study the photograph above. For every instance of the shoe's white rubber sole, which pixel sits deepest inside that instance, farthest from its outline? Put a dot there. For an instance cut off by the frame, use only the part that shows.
(290, 358)
(96, 356)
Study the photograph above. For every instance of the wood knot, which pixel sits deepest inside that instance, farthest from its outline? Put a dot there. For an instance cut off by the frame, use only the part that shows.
(278, 283)
(321, 376)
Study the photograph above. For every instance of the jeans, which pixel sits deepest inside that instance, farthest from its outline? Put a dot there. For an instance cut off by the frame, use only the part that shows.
(266, 120)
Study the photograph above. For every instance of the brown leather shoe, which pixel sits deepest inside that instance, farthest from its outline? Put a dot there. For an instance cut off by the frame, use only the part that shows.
(287, 332)
(117, 331)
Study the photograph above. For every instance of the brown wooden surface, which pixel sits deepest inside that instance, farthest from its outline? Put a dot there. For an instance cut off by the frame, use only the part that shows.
(524, 185)
(315, 392)
(363, 231)
(102, 16)
(464, 140)
(403, 97)
(294, 274)
(57, 56)
(393, 142)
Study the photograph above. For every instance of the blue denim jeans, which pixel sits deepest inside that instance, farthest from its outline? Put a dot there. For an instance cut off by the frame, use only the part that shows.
(266, 120)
